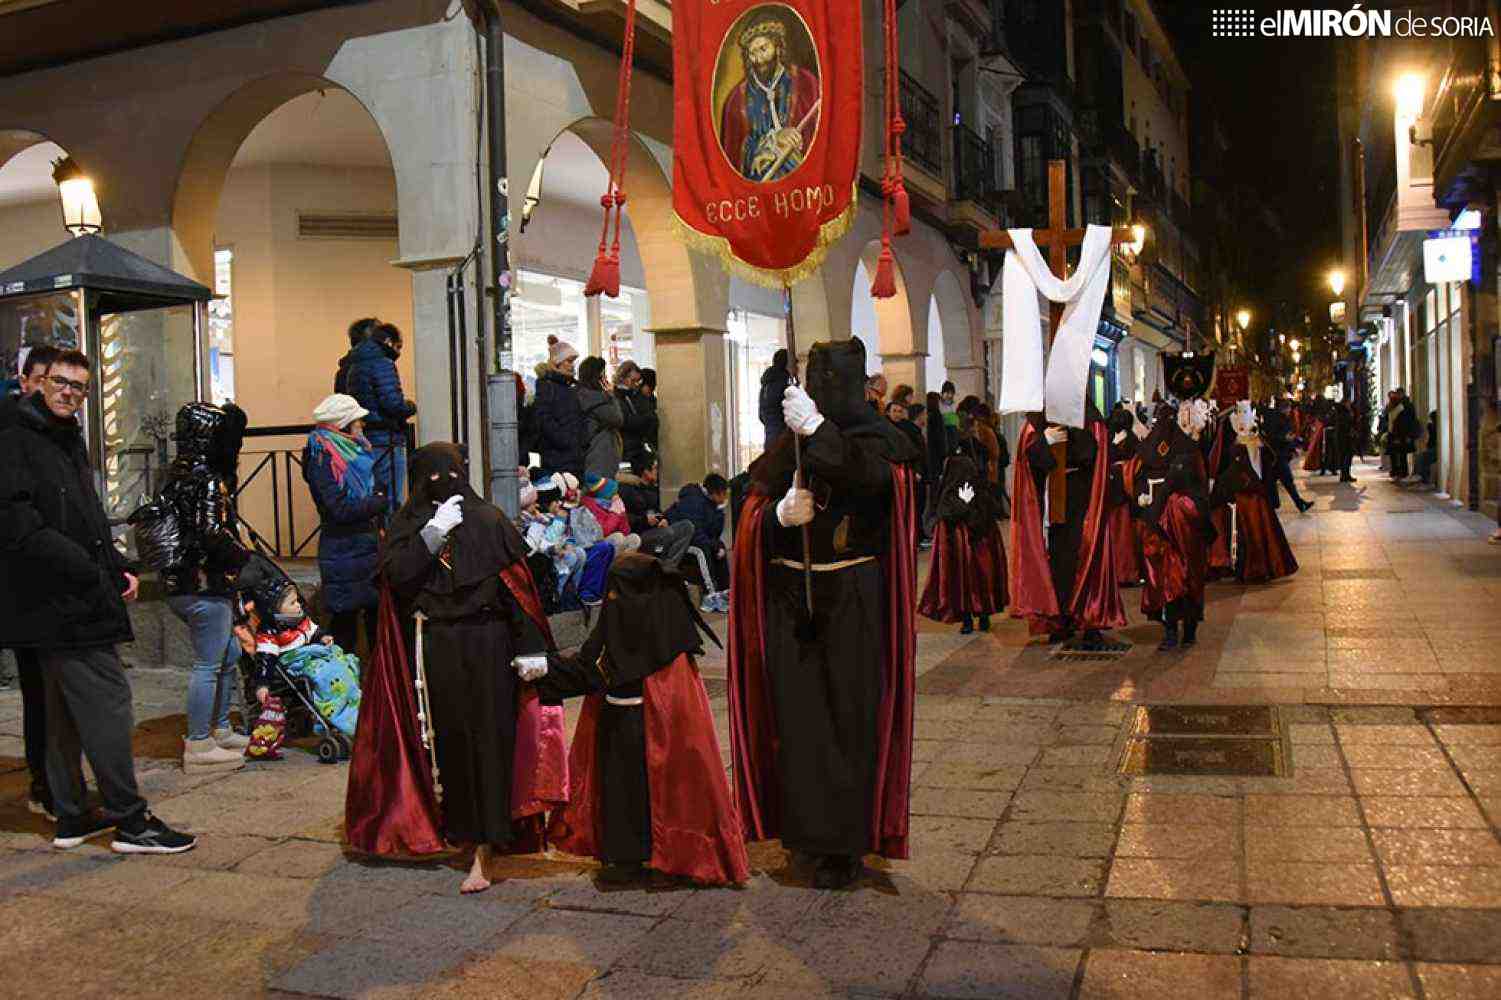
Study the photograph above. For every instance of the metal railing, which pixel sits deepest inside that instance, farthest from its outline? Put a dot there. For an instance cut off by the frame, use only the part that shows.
(974, 169)
(278, 465)
(923, 141)
(1471, 78)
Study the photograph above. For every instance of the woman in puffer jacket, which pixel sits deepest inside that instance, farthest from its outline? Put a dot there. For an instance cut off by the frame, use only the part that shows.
(603, 420)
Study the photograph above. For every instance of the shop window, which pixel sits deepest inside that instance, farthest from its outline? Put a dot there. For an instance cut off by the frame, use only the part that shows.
(750, 340)
(545, 306)
(221, 328)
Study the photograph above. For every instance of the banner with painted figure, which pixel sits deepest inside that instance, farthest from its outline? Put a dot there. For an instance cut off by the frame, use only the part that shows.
(766, 144)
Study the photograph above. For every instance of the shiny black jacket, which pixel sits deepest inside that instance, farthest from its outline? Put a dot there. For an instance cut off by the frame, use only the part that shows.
(211, 554)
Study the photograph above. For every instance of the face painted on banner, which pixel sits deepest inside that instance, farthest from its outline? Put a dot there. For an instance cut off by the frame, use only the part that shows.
(767, 93)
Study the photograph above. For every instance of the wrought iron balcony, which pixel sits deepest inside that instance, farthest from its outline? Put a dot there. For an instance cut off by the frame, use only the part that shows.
(1466, 110)
(922, 143)
(974, 169)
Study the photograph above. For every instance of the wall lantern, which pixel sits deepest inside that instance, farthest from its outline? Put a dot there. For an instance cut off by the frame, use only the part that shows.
(80, 204)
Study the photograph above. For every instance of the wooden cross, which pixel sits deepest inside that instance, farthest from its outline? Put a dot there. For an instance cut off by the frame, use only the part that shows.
(1054, 242)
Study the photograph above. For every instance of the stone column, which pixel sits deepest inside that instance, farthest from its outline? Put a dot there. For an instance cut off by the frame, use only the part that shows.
(968, 380)
(905, 369)
(430, 349)
(692, 406)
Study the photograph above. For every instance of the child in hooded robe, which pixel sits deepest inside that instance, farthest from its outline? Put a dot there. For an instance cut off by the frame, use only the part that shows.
(967, 579)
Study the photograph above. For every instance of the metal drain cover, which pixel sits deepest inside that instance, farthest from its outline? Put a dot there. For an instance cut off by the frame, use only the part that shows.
(1244, 740)
(1079, 650)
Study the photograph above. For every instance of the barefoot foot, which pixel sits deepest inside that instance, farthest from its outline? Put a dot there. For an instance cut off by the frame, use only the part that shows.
(475, 881)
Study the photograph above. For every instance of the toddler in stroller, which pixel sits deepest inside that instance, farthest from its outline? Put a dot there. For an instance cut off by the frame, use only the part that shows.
(291, 661)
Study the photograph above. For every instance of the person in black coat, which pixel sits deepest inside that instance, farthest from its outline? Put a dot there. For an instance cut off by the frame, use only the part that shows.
(639, 431)
(358, 331)
(774, 381)
(63, 589)
(703, 507)
(557, 417)
(376, 384)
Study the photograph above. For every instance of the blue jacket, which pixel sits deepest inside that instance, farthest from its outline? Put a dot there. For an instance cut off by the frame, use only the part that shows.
(373, 380)
(348, 544)
(694, 505)
(558, 422)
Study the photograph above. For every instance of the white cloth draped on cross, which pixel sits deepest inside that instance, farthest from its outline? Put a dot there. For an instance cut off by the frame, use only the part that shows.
(1061, 390)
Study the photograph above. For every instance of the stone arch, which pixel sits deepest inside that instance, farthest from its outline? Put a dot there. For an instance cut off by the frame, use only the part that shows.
(688, 291)
(210, 153)
(952, 357)
(892, 317)
(26, 159)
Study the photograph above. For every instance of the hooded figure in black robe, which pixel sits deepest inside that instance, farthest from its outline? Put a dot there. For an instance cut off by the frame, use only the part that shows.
(1171, 490)
(473, 626)
(817, 704)
(648, 786)
(967, 575)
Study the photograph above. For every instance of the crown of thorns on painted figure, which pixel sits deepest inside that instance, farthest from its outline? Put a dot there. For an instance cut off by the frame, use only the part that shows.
(772, 28)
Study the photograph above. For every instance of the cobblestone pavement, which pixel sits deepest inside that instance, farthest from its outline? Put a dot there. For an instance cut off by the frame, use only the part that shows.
(1373, 869)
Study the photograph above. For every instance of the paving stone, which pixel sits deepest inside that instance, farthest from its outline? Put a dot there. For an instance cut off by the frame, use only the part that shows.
(761, 902)
(1020, 919)
(1460, 982)
(867, 958)
(1307, 843)
(693, 949)
(500, 977)
(1090, 755)
(357, 968)
(591, 939)
(1164, 925)
(1037, 875)
(1072, 806)
(1155, 840)
(959, 802)
(1073, 840)
(1082, 735)
(1313, 884)
(291, 859)
(1301, 810)
(1324, 932)
(654, 901)
(628, 984)
(1422, 813)
(466, 924)
(1437, 847)
(1109, 974)
(943, 871)
(1429, 885)
(1426, 783)
(980, 777)
(988, 754)
(950, 833)
(1193, 810)
(1320, 979)
(1093, 779)
(963, 970)
(1414, 735)
(1159, 878)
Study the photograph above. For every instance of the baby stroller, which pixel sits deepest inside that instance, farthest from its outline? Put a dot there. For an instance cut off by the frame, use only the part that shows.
(263, 582)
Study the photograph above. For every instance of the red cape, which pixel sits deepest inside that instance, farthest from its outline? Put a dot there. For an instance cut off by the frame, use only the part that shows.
(1096, 601)
(1315, 457)
(753, 731)
(1264, 552)
(1175, 555)
(965, 577)
(390, 808)
(695, 831)
(1122, 528)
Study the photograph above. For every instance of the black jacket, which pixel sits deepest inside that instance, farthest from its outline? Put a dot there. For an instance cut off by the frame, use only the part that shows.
(558, 421)
(60, 575)
(773, 387)
(639, 432)
(694, 505)
(640, 499)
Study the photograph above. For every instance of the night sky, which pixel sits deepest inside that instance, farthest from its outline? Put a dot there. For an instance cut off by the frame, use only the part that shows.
(1275, 99)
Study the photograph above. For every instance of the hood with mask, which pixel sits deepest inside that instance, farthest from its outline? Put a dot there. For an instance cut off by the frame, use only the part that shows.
(483, 544)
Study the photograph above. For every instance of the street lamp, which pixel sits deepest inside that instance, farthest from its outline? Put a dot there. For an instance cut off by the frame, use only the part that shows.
(1294, 344)
(80, 204)
(1138, 240)
(1337, 282)
(1244, 319)
(1410, 89)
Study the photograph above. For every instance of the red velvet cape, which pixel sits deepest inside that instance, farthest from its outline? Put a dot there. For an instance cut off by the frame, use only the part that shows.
(753, 729)
(1096, 600)
(1264, 554)
(967, 576)
(1315, 457)
(390, 808)
(1175, 555)
(1122, 529)
(695, 830)
(1220, 563)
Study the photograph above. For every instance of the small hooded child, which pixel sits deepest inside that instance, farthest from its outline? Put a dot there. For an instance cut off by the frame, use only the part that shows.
(647, 783)
(282, 634)
(967, 579)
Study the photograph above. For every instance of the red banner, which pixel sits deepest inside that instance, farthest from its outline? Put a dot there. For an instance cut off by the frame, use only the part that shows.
(766, 131)
(1231, 385)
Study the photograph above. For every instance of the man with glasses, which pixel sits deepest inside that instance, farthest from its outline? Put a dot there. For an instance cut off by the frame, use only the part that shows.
(63, 588)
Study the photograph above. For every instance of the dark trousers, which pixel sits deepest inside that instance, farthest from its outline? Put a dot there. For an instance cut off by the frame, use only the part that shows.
(89, 711)
(826, 691)
(625, 788)
(1399, 465)
(345, 628)
(33, 713)
(1282, 474)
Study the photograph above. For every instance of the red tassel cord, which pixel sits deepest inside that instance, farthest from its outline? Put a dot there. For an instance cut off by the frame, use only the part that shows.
(884, 284)
(605, 276)
(896, 206)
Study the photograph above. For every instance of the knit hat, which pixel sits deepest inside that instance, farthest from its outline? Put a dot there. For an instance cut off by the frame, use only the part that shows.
(600, 488)
(339, 410)
(549, 489)
(559, 351)
(528, 495)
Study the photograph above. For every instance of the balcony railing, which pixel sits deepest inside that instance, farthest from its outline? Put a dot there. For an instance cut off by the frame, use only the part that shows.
(923, 141)
(1471, 79)
(974, 169)
(1103, 137)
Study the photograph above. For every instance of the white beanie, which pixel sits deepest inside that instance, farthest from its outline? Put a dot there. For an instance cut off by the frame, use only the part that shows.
(528, 494)
(559, 351)
(339, 410)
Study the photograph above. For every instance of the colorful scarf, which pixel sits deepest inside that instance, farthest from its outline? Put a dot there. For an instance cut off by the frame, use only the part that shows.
(349, 459)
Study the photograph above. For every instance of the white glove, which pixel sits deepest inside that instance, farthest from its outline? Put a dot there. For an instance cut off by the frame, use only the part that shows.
(1141, 430)
(1119, 437)
(1056, 435)
(966, 493)
(449, 515)
(1144, 500)
(530, 667)
(796, 508)
(800, 412)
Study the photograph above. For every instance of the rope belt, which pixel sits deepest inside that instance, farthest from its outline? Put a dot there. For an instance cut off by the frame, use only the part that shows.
(824, 567)
(622, 702)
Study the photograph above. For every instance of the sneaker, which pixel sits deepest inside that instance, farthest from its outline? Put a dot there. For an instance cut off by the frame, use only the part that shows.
(228, 739)
(200, 756)
(149, 835)
(72, 831)
(39, 800)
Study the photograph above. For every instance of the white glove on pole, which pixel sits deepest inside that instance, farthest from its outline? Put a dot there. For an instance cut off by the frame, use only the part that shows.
(1056, 435)
(966, 493)
(530, 667)
(1140, 429)
(449, 515)
(800, 412)
(796, 508)
(1144, 500)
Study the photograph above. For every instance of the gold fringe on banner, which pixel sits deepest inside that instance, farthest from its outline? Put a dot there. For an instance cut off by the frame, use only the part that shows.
(829, 233)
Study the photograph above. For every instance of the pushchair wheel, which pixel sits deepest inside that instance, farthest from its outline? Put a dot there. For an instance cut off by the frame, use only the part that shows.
(328, 750)
(345, 749)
